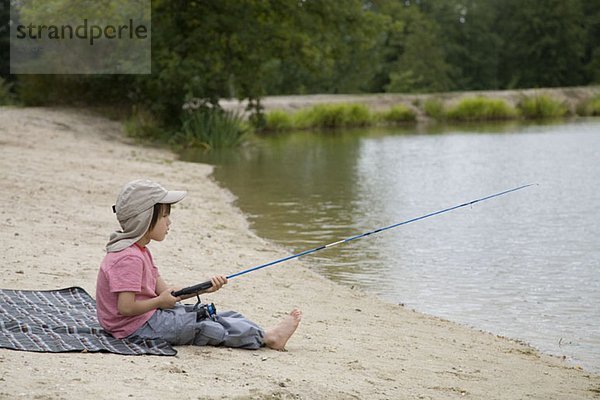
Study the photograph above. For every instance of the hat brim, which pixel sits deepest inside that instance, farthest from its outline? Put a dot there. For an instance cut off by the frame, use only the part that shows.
(173, 196)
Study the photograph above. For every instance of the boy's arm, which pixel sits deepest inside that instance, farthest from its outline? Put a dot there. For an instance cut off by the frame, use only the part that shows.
(161, 286)
(127, 304)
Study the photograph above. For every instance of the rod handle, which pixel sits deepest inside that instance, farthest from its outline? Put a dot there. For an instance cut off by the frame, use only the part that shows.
(193, 289)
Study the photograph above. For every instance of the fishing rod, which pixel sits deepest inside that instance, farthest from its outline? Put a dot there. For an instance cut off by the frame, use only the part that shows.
(206, 285)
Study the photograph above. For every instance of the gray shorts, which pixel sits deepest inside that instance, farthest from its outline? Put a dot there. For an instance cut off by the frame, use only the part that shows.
(179, 326)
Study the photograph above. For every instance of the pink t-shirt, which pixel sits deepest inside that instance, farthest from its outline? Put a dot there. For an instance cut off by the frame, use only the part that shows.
(129, 270)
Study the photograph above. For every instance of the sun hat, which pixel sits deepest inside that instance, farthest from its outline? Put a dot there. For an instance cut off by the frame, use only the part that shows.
(134, 209)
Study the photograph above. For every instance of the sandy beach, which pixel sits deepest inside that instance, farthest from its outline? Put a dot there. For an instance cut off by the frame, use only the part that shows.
(60, 172)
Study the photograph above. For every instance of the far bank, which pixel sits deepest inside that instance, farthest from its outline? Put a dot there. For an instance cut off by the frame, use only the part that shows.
(289, 113)
(380, 101)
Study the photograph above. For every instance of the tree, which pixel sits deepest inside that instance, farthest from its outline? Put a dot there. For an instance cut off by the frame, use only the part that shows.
(591, 59)
(413, 59)
(470, 45)
(543, 43)
(4, 39)
(247, 49)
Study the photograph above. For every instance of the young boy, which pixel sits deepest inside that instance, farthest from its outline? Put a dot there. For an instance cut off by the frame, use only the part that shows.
(133, 299)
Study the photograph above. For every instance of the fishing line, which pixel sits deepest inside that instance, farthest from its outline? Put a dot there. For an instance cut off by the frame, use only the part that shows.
(206, 285)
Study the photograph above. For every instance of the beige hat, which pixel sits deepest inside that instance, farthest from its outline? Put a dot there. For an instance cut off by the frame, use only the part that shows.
(134, 210)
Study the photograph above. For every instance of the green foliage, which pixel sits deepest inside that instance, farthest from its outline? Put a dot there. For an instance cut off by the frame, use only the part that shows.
(434, 108)
(480, 109)
(396, 114)
(210, 128)
(470, 45)
(6, 97)
(589, 107)
(143, 125)
(113, 90)
(278, 120)
(333, 116)
(544, 43)
(247, 49)
(591, 58)
(4, 38)
(414, 59)
(542, 106)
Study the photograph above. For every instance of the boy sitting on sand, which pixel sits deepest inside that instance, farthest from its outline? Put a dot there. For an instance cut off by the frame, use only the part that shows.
(133, 299)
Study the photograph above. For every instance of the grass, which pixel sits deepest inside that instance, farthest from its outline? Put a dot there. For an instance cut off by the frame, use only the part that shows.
(542, 106)
(331, 116)
(589, 107)
(6, 97)
(481, 109)
(143, 125)
(397, 114)
(434, 108)
(335, 116)
(278, 120)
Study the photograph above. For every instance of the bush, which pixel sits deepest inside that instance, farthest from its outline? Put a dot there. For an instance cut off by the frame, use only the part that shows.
(278, 120)
(398, 113)
(481, 108)
(434, 108)
(542, 107)
(589, 107)
(333, 116)
(6, 97)
(143, 125)
(210, 128)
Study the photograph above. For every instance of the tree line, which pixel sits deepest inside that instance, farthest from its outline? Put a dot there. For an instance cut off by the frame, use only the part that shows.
(248, 49)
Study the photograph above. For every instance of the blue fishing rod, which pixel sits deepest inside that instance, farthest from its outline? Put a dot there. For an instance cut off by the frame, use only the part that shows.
(206, 285)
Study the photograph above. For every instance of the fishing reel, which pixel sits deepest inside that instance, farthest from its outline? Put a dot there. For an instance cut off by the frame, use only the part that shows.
(204, 311)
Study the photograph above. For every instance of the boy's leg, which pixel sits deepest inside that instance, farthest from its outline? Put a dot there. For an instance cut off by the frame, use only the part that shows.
(175, 325)
(230, 329)
(233, 330)
(179, 326)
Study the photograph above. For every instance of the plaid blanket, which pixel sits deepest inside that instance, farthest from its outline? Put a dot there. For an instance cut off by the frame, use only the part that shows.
(61, 321)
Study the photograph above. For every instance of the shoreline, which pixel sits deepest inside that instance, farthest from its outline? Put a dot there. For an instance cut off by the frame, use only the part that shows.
(61, 170)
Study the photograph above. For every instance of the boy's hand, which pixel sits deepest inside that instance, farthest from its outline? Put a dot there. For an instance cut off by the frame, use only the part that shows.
(217, 283)
(167, 300)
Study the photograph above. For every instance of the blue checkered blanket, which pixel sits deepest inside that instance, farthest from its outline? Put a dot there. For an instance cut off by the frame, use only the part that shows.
(63, 320)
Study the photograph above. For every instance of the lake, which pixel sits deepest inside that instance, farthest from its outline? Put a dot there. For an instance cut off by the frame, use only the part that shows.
(524, 265)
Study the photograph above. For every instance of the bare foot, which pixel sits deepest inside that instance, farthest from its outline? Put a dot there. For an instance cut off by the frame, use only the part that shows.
(277, 336)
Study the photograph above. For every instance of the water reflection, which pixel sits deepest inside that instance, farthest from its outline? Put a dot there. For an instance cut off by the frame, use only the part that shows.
(523, 265)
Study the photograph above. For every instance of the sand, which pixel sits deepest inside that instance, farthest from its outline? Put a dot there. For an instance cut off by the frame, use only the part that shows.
(60, 171)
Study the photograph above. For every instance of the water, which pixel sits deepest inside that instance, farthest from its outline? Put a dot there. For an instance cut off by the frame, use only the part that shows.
(525, 265)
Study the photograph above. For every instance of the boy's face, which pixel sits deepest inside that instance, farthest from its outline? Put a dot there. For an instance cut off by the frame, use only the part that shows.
(161, 228)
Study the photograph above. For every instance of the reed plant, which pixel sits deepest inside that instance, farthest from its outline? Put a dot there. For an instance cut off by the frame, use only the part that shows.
(142, 124)
(333, 116)
(434, 108)
(6, 97)
(397, 114)
(481, 109)
(278, 120)
(542, 106)
(589, 107)
(210, 128)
